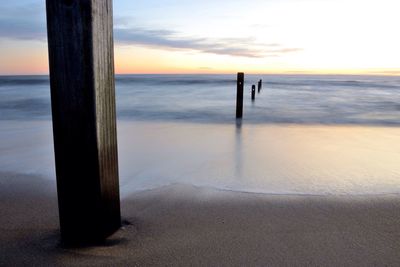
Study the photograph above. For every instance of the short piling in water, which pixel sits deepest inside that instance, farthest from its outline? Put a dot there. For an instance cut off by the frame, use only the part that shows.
(259, 85)
(80, 41)
(253, 92)
(239, 95)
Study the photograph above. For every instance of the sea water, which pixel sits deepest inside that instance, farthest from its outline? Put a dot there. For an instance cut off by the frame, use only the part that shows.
(304, 134)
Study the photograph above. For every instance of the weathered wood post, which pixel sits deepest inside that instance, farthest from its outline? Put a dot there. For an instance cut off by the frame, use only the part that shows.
(253, 92)
(239, 95)
(259, 85)
(80, 40)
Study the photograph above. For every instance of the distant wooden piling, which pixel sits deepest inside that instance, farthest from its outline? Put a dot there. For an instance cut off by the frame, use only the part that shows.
(239, 95)
(259, 85)
(80, 40)
(253, 92)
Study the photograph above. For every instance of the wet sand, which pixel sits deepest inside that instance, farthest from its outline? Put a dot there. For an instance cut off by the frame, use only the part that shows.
(183, 225)
(272, 159)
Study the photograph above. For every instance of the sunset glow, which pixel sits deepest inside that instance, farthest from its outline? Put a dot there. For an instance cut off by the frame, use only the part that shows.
(307, 36)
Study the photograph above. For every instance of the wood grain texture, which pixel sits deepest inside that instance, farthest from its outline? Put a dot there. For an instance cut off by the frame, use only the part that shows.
(80, 39)
(239, 95)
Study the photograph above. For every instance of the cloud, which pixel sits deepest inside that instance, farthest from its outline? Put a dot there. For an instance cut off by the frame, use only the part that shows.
(20, 30)
(384, 72)
(27, 22)
(205, 68)
(23, 22)
(167, 39)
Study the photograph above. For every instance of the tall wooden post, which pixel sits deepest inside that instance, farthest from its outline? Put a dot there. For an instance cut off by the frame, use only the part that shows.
(239, 95)
(253, 92)
(80, 40)
(259, 85)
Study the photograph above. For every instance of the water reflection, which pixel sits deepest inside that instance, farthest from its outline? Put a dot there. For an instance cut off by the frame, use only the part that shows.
(238, 158)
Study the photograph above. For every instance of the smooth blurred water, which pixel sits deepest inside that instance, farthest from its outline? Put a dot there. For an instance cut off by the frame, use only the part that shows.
(301, 99)
(302, 135)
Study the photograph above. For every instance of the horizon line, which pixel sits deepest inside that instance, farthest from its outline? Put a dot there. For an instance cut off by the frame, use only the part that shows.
(371, 73)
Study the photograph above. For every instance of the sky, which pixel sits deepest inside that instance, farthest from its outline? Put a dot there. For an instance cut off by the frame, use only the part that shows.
(224, 36)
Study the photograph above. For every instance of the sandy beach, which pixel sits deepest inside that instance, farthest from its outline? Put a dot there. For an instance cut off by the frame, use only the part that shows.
(183, 225)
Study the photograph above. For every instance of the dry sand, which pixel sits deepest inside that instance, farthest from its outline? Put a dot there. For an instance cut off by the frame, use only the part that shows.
(182, 225)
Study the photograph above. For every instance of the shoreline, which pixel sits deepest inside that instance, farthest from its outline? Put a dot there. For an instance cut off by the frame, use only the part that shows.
(50, 183)
(333, 196)
(187, 225)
